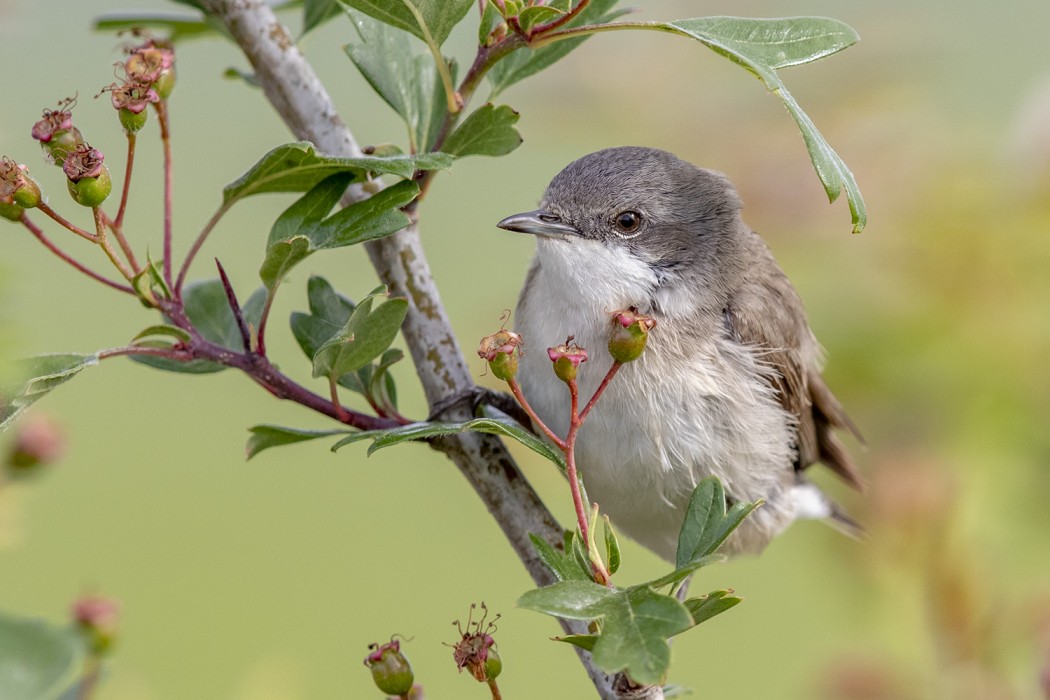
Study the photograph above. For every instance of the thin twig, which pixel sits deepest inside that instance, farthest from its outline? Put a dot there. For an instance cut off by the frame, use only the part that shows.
(38, 233)
(43, 206)
(165, 139)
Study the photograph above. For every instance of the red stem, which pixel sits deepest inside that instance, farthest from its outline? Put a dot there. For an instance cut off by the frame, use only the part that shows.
(601, 388)
(65, 257)
(194, 249)
(554, 24)
(65, 224)
(516, 390)
(119, 221)
(165, 138)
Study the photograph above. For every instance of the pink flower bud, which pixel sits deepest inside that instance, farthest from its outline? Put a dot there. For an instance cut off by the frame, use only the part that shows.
(500, 350)
(39, 442)
(98, 619)
(630, 331)
(567, 358)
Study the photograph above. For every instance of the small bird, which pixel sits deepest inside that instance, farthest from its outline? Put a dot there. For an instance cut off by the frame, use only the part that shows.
(730, 382)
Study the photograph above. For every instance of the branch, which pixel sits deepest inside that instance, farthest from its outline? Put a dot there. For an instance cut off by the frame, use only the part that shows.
(296, 93)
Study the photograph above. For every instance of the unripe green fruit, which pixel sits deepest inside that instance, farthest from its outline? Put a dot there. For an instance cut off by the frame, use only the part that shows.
(391, 672)
(565, 369)
(165, 83)
(28, 195)
(91, 191)
(493, 664)
(13, 212)
(504, 366)
(132, 121)
(62, 143)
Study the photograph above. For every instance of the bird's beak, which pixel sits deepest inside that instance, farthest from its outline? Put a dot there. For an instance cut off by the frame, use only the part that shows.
(539, 222)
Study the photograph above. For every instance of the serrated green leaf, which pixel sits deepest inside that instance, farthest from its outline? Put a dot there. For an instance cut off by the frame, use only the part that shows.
(430, 20)
(525, 61)
(707, 522)
(764, 45)
(635, 623)
(561, 564)
(297, 167)
(705, 607)
(208, 309)
(263, 437)
(300, 230)
(38, 661)
(31, 379)
(406, 80)
(488, 131)
(365, 336)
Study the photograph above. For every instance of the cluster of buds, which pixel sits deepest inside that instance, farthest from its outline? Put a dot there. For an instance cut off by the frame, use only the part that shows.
(391, 671)
(148, 77)
(88, 179)
(501, 351)
(97, 618)
(476, 649)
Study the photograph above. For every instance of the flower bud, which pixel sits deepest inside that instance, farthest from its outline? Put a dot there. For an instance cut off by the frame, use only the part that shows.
(16, 187)
(500, 350)
(97, 617)
(567, 358)
(391, 671)
(630, 331)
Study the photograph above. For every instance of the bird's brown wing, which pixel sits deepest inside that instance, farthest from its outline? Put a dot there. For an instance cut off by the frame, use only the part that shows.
(766, 313)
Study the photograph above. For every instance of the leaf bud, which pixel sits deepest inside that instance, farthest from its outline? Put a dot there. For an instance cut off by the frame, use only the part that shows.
(567, 358)
(630, 331)
(391, 671)
(500, 350)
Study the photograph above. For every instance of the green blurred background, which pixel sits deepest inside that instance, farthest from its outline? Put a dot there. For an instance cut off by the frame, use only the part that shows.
(266, 580)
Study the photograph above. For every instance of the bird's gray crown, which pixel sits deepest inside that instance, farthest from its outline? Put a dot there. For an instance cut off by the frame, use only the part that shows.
(665, 210)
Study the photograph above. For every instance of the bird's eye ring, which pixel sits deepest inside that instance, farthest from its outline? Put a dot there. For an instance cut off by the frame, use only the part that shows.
(628, 222)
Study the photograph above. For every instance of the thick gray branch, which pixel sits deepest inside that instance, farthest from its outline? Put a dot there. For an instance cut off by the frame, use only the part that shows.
(294, 90)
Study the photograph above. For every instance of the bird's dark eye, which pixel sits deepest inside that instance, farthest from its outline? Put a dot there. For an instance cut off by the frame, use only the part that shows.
(628, 221)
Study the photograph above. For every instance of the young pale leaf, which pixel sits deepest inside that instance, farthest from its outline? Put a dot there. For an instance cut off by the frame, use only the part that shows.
(162, 329)
(37, 660)
(764, 45)
(561, 564)
(612, 547)
(297, 167)
(570, 599)
(36, 376)
(707, 523)
(406, 81)
(380, 384)
(208, 308)
(583, 641)
(714, 603)
(538, 14)
(364, 337)
(430, 20)
(525, 61)
(175, 26)
(488, 131)
(264, 437)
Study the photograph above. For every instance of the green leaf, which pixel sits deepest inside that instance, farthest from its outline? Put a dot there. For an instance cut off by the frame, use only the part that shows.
(612, 547)
(297, 167)
(498, 424)
(178, 26)
(764, 45)
(381, 385)
(714, 603)
(407, 81)
(707, 523)
(162, 329)
(430, 20)
(317, 12)
(488, 131)
(635, 623)
(525, 61)
(263, 437)
(561, 564)
(37, 661)
(36, 376)
(209, 311)
(682, 573)
(363, 338)
(584, 641)
(538, 14)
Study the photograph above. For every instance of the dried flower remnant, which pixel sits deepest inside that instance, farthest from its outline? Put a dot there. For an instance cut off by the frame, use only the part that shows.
(476, 649)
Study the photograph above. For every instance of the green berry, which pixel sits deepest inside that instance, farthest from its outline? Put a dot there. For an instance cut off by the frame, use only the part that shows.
(91, 191)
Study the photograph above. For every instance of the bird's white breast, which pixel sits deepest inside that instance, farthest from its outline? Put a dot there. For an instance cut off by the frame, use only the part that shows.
(681, 412)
